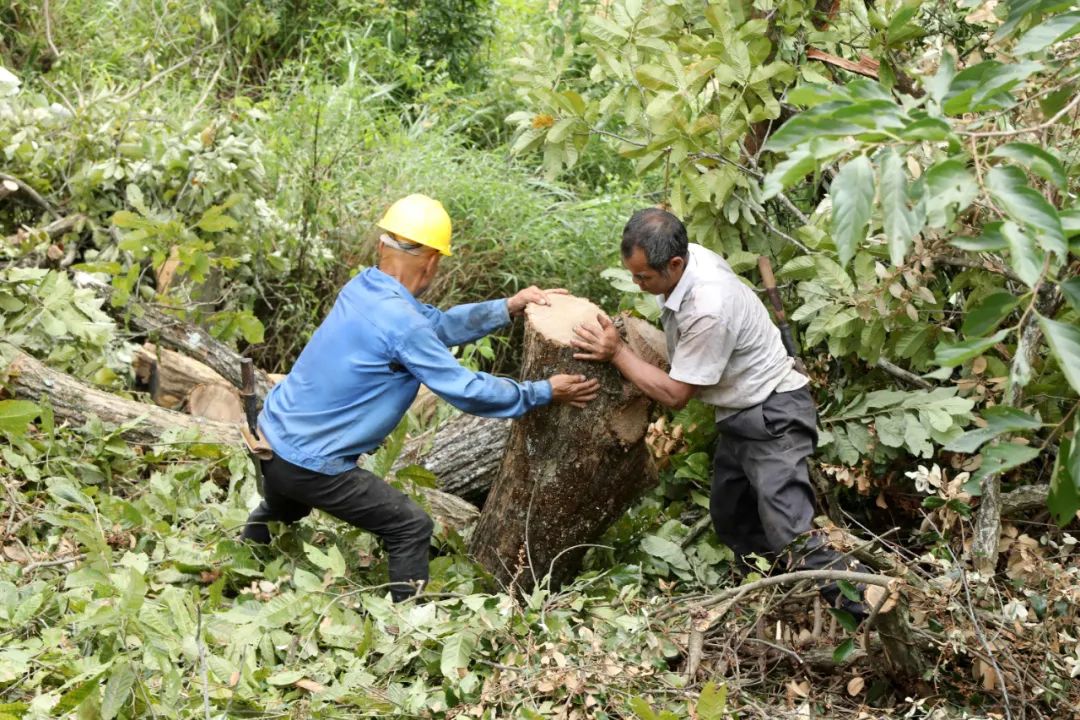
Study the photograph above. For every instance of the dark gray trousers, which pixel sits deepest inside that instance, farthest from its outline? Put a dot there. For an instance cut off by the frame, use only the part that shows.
(762, 501)
(361, 499)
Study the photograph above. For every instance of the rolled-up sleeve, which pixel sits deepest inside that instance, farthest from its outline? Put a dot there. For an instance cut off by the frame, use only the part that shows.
(466, 323)
(425, 355)
(702, 352)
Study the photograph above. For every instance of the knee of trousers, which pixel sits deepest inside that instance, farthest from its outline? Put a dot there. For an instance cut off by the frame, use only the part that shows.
(416, 527)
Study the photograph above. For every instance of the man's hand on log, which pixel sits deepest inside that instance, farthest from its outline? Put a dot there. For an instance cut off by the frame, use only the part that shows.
(599, 342)
(576, 390)
(532, 294)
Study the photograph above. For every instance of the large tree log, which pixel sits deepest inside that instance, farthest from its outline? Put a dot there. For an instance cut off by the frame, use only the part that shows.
(168, 330)
(568, 473)
(464, 454)
(74, 402)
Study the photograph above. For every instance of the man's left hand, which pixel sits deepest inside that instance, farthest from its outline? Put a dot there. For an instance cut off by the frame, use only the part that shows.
(516, 304)
(600, 342)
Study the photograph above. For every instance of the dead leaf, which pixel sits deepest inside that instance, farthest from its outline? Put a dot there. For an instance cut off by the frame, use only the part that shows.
(310, 685)
(16, 554)
(978, 365)
(801, 688)
(855, 686)
(984, 14)
(234, 678)
(986, 673)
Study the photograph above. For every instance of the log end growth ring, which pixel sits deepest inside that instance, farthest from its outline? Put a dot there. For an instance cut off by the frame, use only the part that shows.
(556, 322)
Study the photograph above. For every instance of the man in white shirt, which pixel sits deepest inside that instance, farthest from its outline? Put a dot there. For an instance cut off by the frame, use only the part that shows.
(726, 351)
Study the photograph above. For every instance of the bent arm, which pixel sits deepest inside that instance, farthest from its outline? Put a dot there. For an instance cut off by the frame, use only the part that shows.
(651, 380)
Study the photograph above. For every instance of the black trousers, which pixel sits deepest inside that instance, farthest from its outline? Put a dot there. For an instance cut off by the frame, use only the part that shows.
(361, 499)
(761, 500)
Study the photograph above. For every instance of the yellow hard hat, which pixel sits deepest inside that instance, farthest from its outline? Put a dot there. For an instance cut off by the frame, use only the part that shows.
(420, 219)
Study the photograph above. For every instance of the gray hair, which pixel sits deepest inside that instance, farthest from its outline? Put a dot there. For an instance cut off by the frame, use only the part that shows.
(660, 235)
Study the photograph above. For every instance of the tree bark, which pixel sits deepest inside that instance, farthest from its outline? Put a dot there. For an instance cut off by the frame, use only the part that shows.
(464, 454)
(74, 402)
(567, 472)
(984, 544)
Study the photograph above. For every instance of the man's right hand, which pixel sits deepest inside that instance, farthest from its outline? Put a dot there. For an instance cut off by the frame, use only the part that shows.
(576, 390)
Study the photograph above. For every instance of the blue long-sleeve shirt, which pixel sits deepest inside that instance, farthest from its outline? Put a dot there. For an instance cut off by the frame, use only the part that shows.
(357, 376)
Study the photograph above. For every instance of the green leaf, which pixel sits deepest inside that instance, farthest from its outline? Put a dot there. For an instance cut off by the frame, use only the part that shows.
(1064, 497)
(791, 169)
(1008, 186)
(252, 330)
(15, 415)
(117, 690)
(986, 86)
(849, 591)
(901, 222)
(1001, 458)
(1000, 419)
(285, 677)
(1071, 290)
(798, 268)
(988, 313)
(852, 196)
(712, 703)
(72, 698)
(418, 475)
(1025, 259)
(135, 199)
(1064, 340)
(1037, 160)
(128, 220)
(948, 183)
(214, 220)
(456, 653)
(833, 276)
(665, 550)
(953, 354)
(642, 709)
(1054, 30)
(1021, 10)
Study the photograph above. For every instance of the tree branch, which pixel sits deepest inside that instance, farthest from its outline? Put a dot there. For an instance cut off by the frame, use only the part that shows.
(1034, 128)
(899, 372)
(32, 194)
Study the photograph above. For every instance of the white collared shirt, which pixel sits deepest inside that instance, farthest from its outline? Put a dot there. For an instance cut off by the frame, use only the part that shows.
(720, 337)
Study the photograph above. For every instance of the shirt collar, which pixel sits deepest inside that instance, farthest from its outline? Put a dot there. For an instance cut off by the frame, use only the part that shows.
(674, 301)
(379, 278)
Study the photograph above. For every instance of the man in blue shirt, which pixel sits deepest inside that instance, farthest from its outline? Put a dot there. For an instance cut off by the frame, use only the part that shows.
(359, 374)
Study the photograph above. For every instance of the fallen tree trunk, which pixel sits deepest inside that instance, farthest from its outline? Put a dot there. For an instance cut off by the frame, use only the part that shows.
(74, 402)
(464, 454)
(567, 473)
(168, 330)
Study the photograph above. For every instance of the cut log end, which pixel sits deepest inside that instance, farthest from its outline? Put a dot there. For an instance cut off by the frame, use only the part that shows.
(556, 322)
(216, 401)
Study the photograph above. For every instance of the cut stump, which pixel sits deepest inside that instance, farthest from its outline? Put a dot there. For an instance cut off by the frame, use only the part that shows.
(567, 473)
